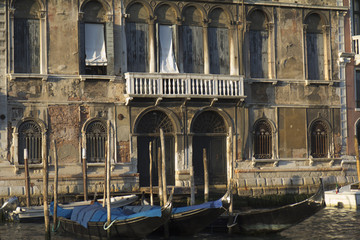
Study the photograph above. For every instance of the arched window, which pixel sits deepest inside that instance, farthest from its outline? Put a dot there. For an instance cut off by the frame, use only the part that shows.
(259, 42)
(30, 138)
(192, 41)
(167, 39)
(218, 41)
(319, 140)
(96, 138)
(95, 40)
(314, 47)
(262, 140)
(137, 38)
(26, 37)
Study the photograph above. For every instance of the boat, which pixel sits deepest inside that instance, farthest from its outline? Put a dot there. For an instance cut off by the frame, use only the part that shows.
(8, 207)
(277, 219)
(347, 196)
(36, 213)
(126, 222)
(189, 220)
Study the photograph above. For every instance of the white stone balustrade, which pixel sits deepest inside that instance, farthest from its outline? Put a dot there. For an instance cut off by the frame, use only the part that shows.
(356, 46)
(184, 85)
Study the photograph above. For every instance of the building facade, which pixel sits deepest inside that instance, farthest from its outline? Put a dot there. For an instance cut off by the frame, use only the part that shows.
(253, 85)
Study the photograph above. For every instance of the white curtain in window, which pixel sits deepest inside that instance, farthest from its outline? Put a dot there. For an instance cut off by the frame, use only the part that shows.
(167, 56)
(95, 45)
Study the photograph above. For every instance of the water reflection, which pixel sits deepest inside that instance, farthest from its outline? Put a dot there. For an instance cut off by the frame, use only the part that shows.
(327, 224)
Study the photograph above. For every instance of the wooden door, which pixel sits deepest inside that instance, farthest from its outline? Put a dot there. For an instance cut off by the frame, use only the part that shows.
(216, 156)
(144, 160)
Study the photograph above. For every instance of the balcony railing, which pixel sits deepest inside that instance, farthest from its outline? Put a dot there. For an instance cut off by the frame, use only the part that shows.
(184, 85)
(356, 46)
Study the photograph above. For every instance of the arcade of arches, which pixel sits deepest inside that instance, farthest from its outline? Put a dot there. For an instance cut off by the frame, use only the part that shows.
(208, 132)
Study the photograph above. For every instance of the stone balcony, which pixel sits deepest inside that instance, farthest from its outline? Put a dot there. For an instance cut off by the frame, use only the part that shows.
(356, 46)
(183, 85)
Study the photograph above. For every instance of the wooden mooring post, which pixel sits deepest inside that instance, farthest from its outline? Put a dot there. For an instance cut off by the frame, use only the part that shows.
(84, 168)
(108, 179)
(163, 166)
(206, 176)
(356, 143)
(55, 186)
(27, 177)
(192, 187)
(163, 176)
(150, 174)
(159, 176)
(45, 199)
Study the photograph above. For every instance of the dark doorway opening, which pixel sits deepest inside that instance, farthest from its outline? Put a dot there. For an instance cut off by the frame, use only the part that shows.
(216, 158)
(209, 133)
(148, 130)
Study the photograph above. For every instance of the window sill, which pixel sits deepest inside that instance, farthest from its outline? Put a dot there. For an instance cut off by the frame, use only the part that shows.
(262, 80)
(30, 166)
(98, 77)
(321, 82)
(15, 76)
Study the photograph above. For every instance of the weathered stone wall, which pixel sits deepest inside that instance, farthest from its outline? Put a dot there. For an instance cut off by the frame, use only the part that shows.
(65, 101)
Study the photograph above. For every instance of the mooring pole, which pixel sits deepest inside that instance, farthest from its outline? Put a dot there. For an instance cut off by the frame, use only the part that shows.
(105, 178)
(206, 177)
(192, 188)
(163, 166)
(83, 154)
(357, 158)
(27, 178)
(150, 174)
(55, 186)
(108, 179)
(45, 199)
(163, 176)
(159, 176)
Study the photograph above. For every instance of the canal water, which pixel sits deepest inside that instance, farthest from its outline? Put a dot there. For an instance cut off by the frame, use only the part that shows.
(329, 223)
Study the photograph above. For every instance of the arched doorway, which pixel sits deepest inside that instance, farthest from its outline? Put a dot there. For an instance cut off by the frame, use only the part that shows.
(209, 133)
(148, 130)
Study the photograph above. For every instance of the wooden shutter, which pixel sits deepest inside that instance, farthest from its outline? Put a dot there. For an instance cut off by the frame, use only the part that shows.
(192, 49)
(137, 47)
(218, 40)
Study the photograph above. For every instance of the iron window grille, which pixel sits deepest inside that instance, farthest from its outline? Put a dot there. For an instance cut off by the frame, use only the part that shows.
(319, 140)
(262, 140)
(30, 137)
(95, 142)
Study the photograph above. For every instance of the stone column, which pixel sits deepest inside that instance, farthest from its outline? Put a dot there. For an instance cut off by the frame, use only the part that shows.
(206, 48)
(152, 41)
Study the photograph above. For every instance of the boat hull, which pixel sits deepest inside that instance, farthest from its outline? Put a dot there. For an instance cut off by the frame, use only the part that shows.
(136, 228)
(192, 222)
(278, 219)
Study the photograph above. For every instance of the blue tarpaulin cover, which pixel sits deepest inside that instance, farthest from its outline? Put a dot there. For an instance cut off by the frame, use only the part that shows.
(212, 204)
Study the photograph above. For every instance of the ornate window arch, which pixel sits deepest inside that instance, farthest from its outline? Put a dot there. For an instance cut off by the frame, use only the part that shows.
(319, 139)
(29, 133)
(263, 139)
(209, 122)
(151, 122)
(96, 138)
